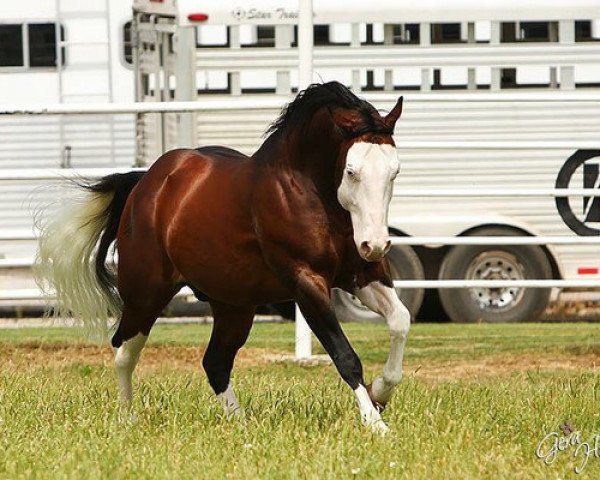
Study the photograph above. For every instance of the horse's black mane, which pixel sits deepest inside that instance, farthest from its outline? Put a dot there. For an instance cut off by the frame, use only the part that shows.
(331, 95)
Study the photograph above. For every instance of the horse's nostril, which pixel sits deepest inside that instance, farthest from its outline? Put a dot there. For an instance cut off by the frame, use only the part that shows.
(365, 248)
(387, 247)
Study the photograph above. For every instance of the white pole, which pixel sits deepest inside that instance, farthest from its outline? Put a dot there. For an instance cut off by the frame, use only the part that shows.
(305, 43)
(305, 75)
(596, 29)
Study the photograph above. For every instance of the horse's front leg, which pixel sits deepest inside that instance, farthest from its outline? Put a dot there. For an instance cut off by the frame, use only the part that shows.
(384, 301)
(314, 300)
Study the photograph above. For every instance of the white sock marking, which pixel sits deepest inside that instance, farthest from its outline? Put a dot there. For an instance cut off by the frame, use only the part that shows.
(369, 415)
(384, 301)
(230, 403)
(126, 358)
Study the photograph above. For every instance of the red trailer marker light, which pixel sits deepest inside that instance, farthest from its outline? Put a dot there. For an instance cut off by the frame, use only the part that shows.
(587, 271)
(197, 17)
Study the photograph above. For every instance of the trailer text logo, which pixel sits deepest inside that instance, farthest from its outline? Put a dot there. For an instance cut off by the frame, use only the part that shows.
(584, 165)
(240, 13)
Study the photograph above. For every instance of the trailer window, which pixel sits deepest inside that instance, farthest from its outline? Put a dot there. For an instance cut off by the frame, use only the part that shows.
(42, 45)
(508, 78)
(127, 44)
(535, 31)
(265, 36)
(41, 38)
(408, 33)
(445, 33)
(529, 32)
(11, 46)
(320, 36)
(584, 31)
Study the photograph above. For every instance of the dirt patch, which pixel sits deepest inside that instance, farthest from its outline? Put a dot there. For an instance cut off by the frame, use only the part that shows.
(31, 355)
(500, 366)
(153, 356)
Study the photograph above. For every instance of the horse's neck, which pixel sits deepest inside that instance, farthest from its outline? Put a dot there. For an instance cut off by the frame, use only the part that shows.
(313, 155)
(308, 165)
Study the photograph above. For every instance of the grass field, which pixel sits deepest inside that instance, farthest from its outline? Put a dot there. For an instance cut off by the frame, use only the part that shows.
(475, 403)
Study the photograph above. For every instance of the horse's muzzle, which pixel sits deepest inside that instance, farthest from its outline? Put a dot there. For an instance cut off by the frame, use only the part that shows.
(374, 251)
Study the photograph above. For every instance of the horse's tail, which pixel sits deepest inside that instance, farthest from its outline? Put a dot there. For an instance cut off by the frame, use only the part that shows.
(73, 246)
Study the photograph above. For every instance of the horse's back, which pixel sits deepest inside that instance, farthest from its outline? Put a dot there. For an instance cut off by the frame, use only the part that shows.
(198, 180)
(221, 152)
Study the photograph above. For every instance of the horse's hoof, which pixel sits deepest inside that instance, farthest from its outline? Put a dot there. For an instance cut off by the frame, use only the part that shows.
(238, 414)
(128, 418)
(380, 428)
(379, 406)
(235, 414)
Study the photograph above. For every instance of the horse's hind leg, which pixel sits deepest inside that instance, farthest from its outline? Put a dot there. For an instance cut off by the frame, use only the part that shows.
(230, 331)
(140, 311)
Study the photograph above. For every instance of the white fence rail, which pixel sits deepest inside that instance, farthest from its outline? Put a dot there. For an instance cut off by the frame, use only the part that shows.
(468, 240)
(390, 56)
(58, 174)
(249, 102)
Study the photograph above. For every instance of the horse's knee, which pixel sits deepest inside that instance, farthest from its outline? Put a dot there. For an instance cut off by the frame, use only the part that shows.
(399, 322)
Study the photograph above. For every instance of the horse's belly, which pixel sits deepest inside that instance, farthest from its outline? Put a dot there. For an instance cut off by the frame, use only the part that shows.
(229, 271)
(248, 284)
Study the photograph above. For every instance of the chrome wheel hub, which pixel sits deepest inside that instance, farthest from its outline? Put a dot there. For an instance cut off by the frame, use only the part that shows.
(496, 265)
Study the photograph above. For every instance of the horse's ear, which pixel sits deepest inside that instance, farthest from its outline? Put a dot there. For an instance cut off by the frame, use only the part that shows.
(392, 117)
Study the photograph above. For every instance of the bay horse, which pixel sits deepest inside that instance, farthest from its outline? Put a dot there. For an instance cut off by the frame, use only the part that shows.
(306, 213)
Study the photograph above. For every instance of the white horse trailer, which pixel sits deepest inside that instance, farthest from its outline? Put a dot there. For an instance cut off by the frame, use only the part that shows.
(66, 51)
(60, 52)
(501, 95)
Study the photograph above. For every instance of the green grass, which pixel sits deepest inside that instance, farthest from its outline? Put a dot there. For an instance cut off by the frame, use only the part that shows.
(60, 419)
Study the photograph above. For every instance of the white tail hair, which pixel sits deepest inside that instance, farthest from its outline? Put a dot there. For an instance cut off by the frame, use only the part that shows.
(65, 265)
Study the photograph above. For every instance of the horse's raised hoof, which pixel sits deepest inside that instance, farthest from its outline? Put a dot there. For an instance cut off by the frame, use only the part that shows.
(379, 406)
(379, 427)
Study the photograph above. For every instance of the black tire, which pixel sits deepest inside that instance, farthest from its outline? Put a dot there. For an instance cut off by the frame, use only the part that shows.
(183, 307)
(404, 265)
(499, 262)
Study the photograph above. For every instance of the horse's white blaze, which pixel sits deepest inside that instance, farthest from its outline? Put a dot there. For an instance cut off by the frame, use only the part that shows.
(366, 190)
(126, 358)
(368, 413)
(384, 301)
(229, 402)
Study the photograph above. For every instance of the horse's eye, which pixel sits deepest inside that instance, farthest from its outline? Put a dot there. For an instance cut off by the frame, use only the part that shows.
(351, 173)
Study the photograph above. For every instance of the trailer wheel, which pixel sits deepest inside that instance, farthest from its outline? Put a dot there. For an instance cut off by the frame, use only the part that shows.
(495, 262)
(404, 265)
